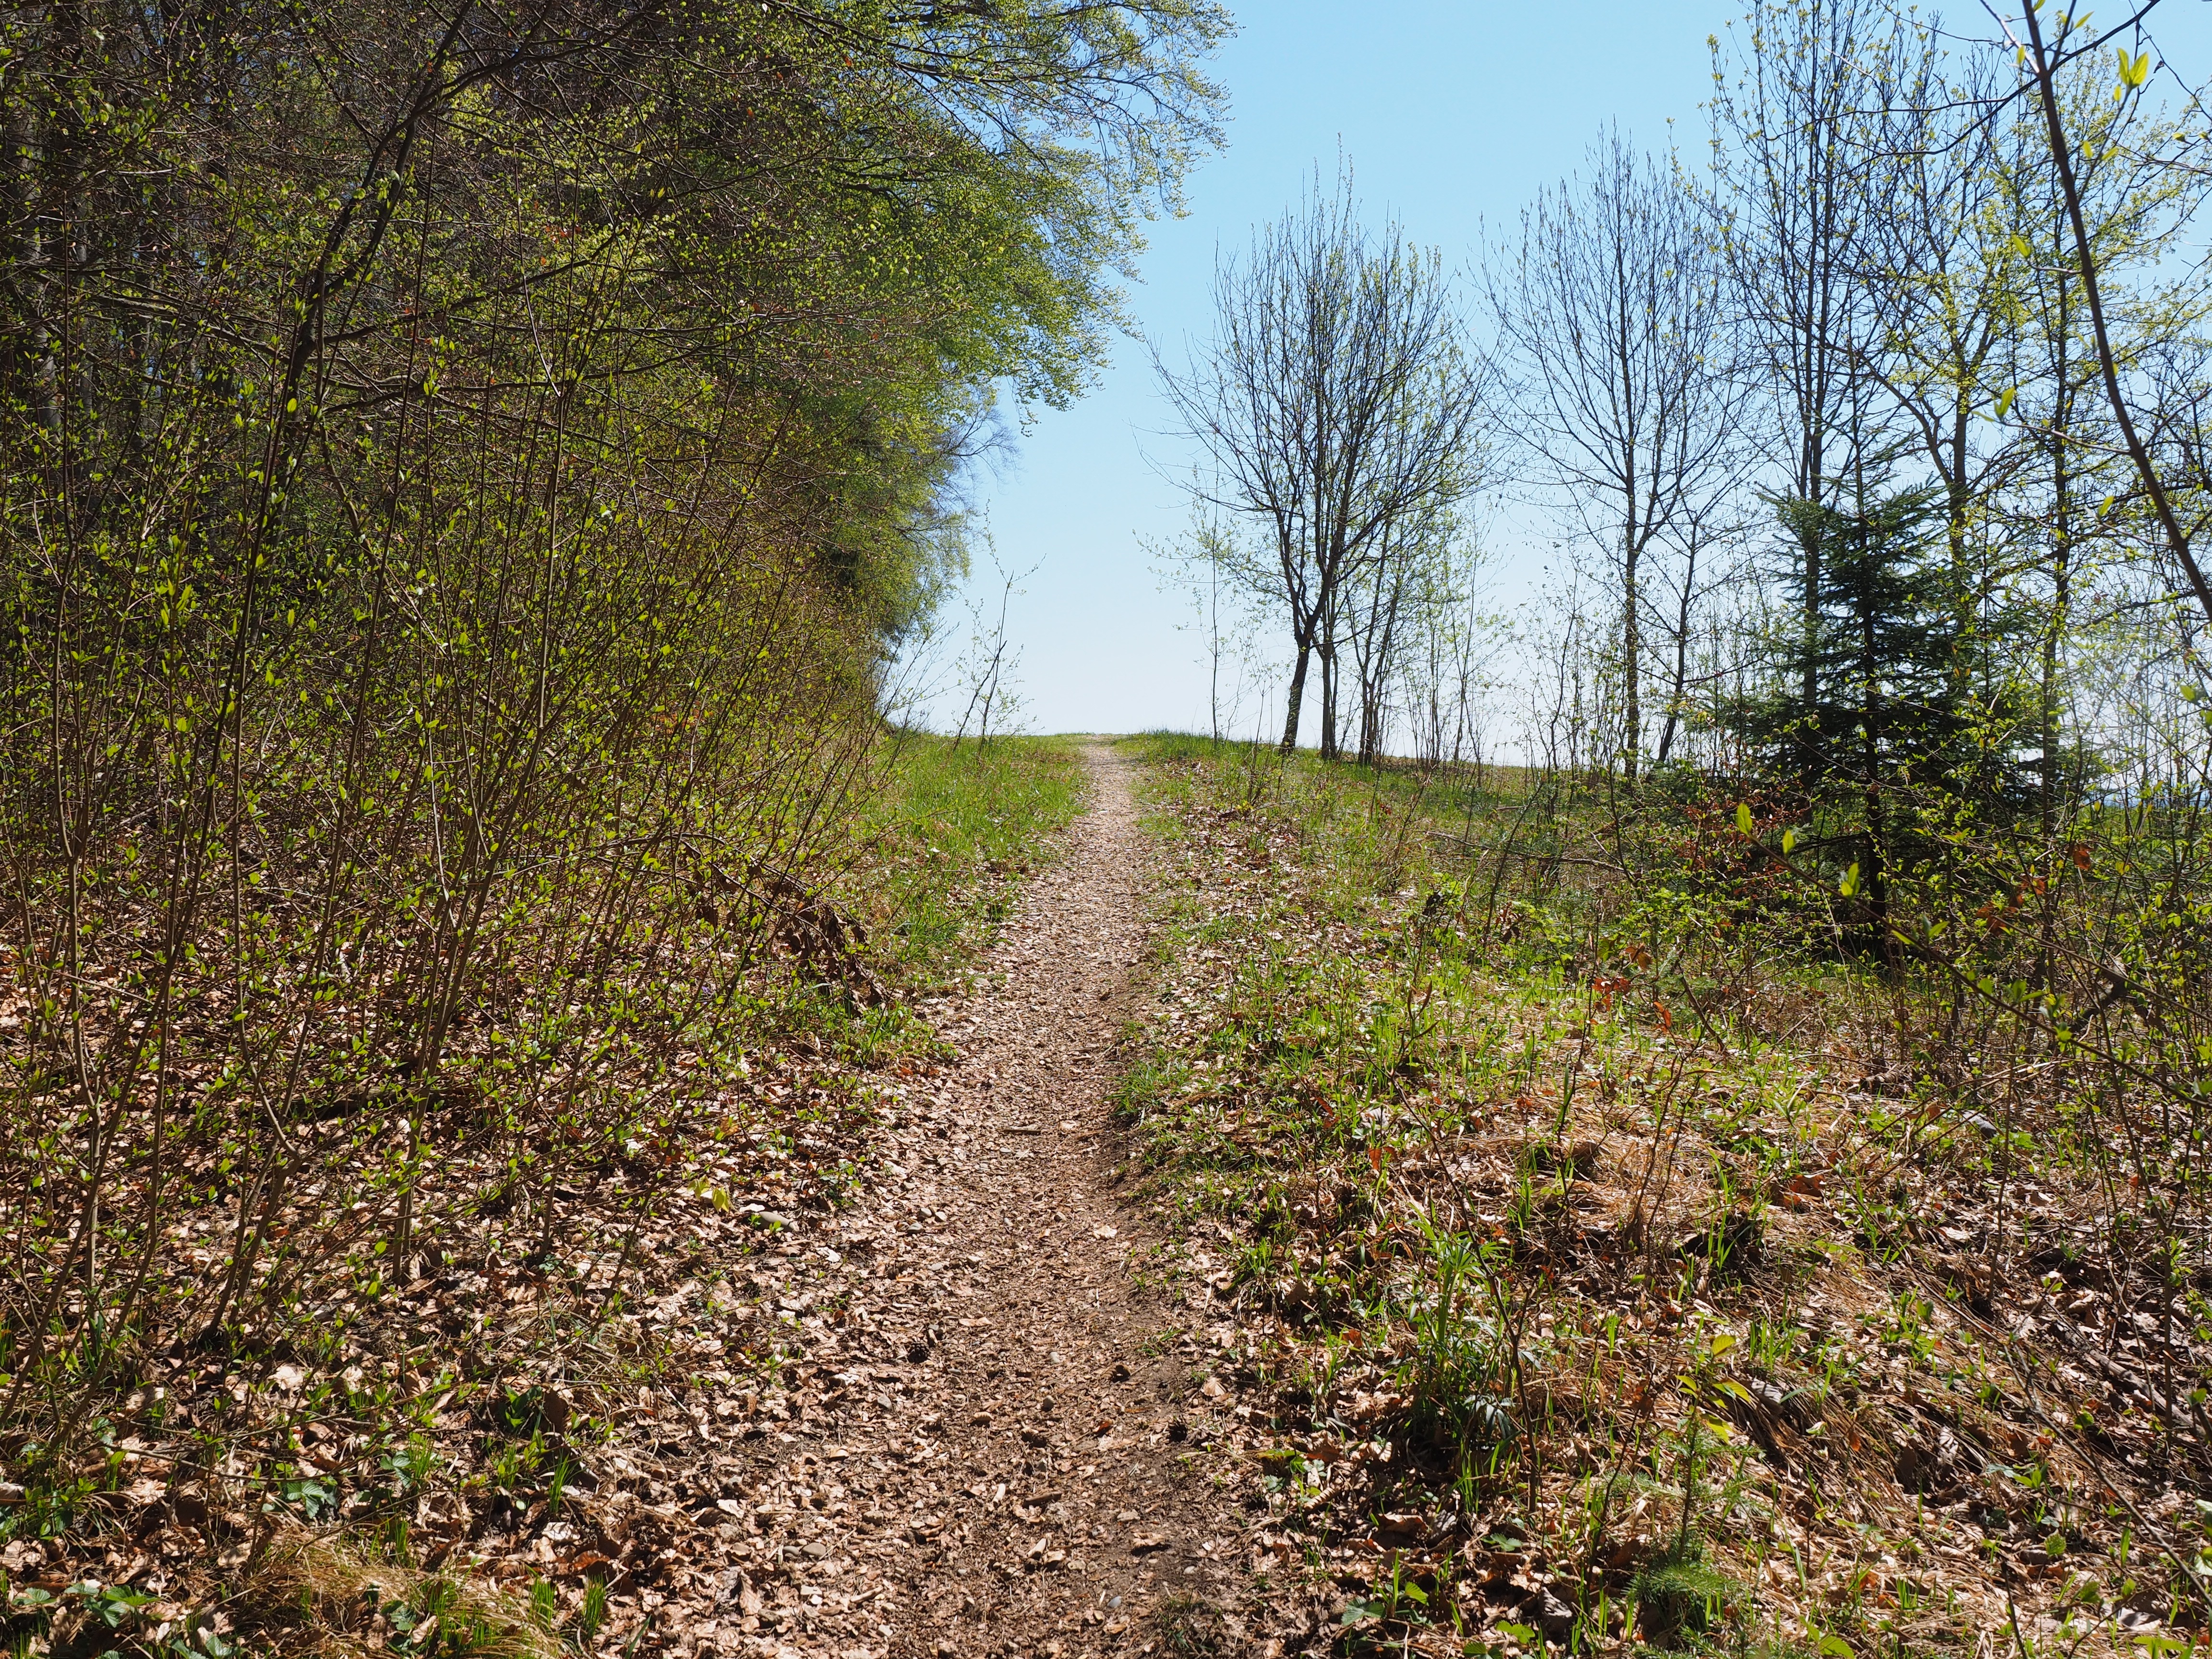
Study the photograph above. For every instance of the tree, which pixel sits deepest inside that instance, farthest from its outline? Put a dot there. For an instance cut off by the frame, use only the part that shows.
(1889, 706)
(1789, 193)
(1419, 572)
(1336, 398)
(2045, 62)
(1614, 316)
(2076, 469)
(1945, 264)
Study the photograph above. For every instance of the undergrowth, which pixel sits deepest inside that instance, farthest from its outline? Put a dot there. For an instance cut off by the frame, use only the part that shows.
(1590, 1274)
(457, 1310)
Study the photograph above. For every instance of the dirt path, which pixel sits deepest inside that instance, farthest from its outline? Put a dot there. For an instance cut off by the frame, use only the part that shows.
(994, 1465)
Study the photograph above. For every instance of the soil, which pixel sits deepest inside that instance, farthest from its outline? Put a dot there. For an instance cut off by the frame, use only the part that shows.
(989, 1447)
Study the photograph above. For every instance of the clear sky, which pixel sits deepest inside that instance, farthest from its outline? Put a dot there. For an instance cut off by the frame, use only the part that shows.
(1452, 115)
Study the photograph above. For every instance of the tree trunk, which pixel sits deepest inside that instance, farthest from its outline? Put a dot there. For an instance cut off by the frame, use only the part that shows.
(1297, 699)
(1873, 875)
(1328, 750)
(1674, 696)
(1631, 655)
(2062, 540)
(1810, 544)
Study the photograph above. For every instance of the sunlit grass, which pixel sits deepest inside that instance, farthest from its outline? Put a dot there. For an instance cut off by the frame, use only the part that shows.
(949, 832)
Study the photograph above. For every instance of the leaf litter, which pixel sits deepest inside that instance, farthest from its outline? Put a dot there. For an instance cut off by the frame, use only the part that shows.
(853, 1369)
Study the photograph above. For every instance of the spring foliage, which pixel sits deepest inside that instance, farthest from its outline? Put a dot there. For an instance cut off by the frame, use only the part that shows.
(464, 466)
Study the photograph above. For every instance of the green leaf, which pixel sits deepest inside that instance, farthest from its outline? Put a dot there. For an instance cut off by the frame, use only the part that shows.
(1743, 818)
(2004, 401)
(2055, 1546)
(1848, 886)
(1837, 1645)
(1788, 842)
(1729, 1386)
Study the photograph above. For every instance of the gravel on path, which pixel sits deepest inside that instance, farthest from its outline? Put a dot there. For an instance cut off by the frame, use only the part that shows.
(989, 1454)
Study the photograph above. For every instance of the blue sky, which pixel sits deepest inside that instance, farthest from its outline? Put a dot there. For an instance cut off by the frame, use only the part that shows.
(1451, 116)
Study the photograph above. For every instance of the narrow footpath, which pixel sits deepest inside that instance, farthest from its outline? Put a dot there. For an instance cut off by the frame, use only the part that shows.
(998, 1463)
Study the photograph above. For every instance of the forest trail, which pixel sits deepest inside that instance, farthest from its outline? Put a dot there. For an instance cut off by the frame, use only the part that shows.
(1009, 1484)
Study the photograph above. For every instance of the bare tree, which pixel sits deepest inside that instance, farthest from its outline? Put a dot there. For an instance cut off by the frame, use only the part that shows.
(991, 657)
(1336, 398)
(1213, 569)
(1614, 312)
(1789, 194)
(1420, 570)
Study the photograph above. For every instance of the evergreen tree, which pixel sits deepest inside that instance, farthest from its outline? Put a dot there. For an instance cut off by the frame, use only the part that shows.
(1894, 716)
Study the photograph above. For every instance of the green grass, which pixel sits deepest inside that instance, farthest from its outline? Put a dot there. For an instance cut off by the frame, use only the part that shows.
(1548, 1167)
(949, 833)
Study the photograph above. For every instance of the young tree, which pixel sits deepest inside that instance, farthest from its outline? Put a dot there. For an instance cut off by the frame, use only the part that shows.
(1889, 707)
(1614, 318)
(2073, 462)
(1419, 571)
(1219, 573)
(1336, 398)
(1945, 266)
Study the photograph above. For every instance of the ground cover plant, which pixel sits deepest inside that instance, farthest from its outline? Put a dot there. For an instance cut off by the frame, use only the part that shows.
(1590, 1263)
(458, 1307)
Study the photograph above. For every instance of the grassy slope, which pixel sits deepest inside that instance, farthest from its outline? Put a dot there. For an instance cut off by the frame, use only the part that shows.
(1556, 1307)
(414, 1427)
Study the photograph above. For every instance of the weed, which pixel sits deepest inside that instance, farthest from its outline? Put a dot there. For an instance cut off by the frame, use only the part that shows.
(1677, 1594)
(1457, 1356)
(1187, 1627)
